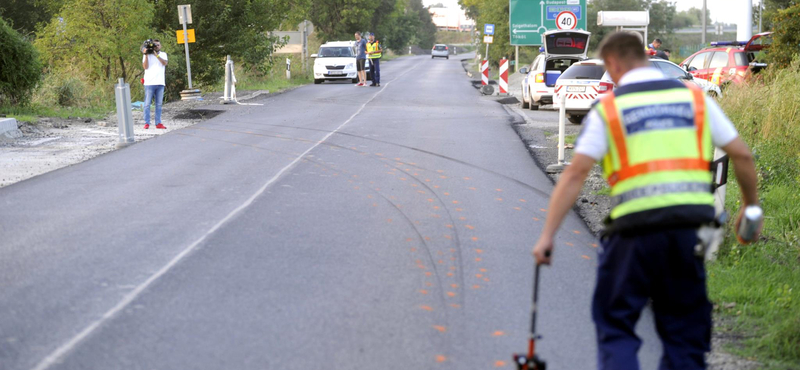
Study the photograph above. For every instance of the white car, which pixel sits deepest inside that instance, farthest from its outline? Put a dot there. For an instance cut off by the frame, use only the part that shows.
(586, 81)
(582, 83)
(336, 60)
(440, 51)
(561, 50)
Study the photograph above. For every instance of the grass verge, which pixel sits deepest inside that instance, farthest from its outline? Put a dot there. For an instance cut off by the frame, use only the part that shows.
(31, 113)
(759, 285)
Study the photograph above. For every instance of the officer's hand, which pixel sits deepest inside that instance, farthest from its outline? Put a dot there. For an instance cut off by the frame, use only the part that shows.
(543, 251)
(739, 222)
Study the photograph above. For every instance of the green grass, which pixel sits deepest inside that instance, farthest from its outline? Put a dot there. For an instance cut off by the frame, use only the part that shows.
(604, 191)
(30, 113)
(570, 139)
(763, 279)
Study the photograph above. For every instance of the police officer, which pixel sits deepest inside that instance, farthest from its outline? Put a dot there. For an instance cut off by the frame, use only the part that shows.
(374, 53)
(655, 138)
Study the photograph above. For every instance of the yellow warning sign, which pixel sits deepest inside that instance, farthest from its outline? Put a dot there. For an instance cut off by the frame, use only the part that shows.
(190, 32)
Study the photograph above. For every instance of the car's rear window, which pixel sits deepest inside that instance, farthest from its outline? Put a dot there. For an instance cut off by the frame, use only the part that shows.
(566, 43)
(335, 52)
(440, 47)
(584, 72)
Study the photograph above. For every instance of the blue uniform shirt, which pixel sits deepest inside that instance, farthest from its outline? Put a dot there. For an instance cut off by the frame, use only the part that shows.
(362, 49)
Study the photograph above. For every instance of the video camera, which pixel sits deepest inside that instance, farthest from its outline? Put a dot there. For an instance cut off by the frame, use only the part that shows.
(149, 46)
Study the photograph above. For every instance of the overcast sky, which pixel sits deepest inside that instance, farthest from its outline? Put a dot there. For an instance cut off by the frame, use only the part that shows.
(725, 11)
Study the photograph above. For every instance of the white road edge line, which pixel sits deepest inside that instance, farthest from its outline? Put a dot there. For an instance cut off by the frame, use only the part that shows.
(65, 348)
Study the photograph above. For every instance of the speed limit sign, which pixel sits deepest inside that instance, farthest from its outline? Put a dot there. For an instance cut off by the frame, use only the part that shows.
(566, 20)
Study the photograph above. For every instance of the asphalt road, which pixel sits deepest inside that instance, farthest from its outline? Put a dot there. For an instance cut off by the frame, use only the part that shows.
(333, 227)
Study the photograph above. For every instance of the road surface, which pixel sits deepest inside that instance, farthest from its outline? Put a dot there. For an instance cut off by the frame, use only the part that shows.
(333, 227)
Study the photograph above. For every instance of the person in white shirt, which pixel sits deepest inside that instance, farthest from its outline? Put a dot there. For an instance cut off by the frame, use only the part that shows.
(155, 66)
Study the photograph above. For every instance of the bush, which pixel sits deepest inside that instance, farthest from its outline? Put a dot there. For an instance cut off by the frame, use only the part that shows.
(786, 39)
(20, 69)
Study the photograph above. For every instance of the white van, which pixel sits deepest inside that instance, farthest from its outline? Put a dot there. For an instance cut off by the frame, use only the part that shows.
(336, 60)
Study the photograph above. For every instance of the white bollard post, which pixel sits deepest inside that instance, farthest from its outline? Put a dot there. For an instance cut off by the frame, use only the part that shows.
(562, 118)
(409, 50)
(719, 203)
(227, 97)
(122, 92)
(288, 69)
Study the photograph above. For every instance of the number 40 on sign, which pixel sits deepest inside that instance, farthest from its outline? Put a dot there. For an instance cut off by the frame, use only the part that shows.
(566, 20)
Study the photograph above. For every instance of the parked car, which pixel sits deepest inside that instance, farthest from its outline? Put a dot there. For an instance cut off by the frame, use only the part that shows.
(560, 51)
(440, 51)
(672, 70)
(729, 62)
(582, 83)
(336, 60)
(586, 81)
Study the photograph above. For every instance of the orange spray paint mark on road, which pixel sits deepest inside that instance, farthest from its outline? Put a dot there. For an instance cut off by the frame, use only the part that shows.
(586, 257)
(428, 238)
(413, 249)
(403, 178)
(423, 291)
(474, 238)
(430, 199)
(523, 200)
(426, 308)
(498, 333)
(455, 202)
(451, 294)
(450, 274)
(462, 218)
(442, 177)
(470, 227)
(452, 268)
(482, 270)
(472, 188)
(428, 273)
(449, 226)
(498, 199)
(428, 284)
(446, 193)
(499, 363)
(454, 286)
(409, 239)
(569, 244)
(576, 231)
(448, 237)
(479, 251)
(459, 209)
(441, 358)
(436, 186)
(478, 276)
(486, 279)
(542, 209)
(536, 219)
(594, 245)
(476, 286)
(436, 207)
(455, 305)
(517, 208)
(440, 328)
(477, 259)
(452, 250)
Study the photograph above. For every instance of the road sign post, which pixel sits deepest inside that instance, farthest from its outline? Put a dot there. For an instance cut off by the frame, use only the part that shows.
(529, 20)
(488, 30)
(185, 17)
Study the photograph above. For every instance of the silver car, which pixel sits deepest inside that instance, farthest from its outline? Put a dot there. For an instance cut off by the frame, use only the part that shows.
(440, 51)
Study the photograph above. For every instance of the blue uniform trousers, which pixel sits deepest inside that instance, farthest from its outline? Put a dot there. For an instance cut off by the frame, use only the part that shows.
(375, 70)
(661, 266)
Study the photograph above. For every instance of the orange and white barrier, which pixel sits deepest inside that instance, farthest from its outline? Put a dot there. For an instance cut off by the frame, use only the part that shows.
(485, 72)
(504, 76)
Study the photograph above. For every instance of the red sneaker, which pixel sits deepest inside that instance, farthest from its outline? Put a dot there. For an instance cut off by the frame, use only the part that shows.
(160, 126)
(147, 126)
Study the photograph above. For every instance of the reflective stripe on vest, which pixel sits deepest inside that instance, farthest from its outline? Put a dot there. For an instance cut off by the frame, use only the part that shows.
(649, 164)
(373, 46)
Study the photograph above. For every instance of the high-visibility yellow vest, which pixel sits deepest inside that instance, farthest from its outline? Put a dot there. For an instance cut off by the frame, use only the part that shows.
(660, 149)
(373, 46)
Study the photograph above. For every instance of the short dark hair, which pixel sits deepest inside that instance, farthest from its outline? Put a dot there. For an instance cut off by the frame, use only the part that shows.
(658, 41)
(624, 45)
(358, 33)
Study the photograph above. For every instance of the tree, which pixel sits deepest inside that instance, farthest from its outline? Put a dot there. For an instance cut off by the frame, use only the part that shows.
(20, 69)
(237, 28)
(25, 15)
(100, 37)
(786, 39)
(339, 19)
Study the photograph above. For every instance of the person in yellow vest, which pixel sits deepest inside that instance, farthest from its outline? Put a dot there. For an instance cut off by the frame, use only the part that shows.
(655, 137)
(374, 53)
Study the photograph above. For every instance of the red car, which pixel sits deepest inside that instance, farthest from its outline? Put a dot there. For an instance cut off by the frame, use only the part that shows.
(726, 62)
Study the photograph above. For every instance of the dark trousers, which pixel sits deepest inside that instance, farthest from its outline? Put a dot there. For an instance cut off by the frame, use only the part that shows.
(660, 266)
(375, 70)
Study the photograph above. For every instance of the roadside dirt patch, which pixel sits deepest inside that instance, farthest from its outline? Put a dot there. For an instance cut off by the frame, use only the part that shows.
(53, 143)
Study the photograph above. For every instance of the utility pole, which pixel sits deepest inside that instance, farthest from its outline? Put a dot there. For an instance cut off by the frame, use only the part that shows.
(703, 39)
(744, 30)
(760, 12)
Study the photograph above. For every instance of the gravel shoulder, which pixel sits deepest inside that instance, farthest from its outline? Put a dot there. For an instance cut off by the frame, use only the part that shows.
(53, 143)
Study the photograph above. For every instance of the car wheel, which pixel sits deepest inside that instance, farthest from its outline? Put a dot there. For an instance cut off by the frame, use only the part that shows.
(317, 81)
(575, 119)
(431, 56)
(525, 104)
(534, 104)
(447, 57)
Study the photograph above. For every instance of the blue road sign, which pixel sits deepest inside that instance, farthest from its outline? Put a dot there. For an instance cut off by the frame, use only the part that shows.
(488, 29)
